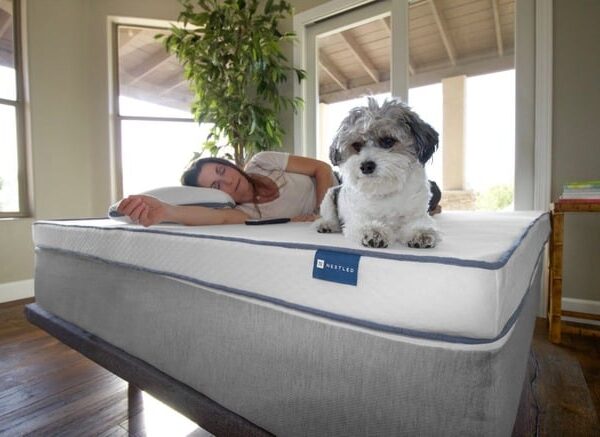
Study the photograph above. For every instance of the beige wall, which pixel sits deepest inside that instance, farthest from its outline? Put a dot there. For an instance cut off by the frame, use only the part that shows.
(576, 135)
(70, 122)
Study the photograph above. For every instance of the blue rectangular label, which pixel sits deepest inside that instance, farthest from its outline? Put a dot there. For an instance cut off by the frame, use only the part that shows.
(336, 267)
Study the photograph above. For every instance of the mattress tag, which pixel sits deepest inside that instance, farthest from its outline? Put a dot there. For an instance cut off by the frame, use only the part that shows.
(336, 267)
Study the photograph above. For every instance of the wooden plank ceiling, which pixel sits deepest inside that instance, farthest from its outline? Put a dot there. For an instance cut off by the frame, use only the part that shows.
(6, 34)
(446, 38)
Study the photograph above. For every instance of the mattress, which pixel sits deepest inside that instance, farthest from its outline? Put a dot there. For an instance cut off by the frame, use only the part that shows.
(467, 290)
(416, 342)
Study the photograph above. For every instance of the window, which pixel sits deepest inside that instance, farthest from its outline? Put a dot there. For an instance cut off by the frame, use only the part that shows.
(156, 135)
(461, 80)
(13, 197)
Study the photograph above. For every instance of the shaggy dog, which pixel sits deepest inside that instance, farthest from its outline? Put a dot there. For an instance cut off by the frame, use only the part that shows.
(384, 195)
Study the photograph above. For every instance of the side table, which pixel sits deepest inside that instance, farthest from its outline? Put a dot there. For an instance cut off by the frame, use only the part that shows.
(555, 325)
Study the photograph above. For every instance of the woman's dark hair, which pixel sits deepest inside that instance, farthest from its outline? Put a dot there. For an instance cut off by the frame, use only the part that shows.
(259, 186)
(191, 173)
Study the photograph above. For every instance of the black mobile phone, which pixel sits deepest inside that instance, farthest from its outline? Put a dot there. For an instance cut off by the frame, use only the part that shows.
(267, 221)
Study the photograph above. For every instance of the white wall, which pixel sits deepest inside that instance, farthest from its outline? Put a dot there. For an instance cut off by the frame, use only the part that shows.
(576, 136)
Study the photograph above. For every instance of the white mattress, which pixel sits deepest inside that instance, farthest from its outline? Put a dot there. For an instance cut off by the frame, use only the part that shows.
(467, 290)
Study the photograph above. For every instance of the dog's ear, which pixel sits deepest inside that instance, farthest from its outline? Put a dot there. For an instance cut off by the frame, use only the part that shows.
(349, 124)
(335, 156)
(426, 137)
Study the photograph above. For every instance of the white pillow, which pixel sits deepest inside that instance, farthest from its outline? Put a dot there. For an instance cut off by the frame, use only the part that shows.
(181, 195)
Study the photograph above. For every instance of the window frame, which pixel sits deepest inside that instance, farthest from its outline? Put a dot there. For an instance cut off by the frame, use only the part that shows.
(19, 105)
(305, 120)
(118, 119)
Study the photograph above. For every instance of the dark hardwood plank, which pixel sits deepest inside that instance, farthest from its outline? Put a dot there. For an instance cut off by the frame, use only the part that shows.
(564, 403)
(587, 351)
(24, 391)
(15, 303)
(53, 414)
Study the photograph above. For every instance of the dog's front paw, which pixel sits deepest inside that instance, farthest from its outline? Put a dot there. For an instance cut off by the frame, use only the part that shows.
(374, 238)
(424, 239)
(326, 227)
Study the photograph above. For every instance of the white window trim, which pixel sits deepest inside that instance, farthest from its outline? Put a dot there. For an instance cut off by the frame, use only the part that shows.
(115, 119)
(21, 114)
(543, 105)
(303, 143)
(543, 123)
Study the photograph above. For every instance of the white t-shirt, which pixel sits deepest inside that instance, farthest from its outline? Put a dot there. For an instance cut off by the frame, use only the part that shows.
(297, 192)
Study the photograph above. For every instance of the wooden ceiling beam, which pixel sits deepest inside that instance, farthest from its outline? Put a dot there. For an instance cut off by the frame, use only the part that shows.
(151, 64)
(332, 71)
(469, 66)
(173, 82)
(360, 55)
(388, 27)
(6, 6)
(441, 24)
(498, 28)
(131, 40)
(353, 93)
(5, 24)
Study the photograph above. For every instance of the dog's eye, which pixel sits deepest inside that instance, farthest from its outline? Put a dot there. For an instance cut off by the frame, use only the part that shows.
(387, 142)
(357, 145)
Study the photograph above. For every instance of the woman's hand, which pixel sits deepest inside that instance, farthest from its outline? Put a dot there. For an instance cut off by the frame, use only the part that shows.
(145, 210)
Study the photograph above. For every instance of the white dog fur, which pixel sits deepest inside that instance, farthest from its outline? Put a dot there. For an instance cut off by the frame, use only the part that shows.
(384, 196)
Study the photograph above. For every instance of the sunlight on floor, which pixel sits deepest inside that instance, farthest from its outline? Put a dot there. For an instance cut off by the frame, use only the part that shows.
(161, 420)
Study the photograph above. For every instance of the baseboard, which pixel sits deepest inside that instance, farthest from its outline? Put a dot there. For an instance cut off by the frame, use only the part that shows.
(17, 290)
(581, 306)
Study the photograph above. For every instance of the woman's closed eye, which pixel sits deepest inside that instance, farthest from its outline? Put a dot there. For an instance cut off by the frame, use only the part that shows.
(216, 185)
(220, 170)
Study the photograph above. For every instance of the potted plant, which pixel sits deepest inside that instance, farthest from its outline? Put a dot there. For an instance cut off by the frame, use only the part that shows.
(233, 59)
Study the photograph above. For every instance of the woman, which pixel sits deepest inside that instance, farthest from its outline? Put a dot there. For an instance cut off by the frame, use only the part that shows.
(273, 184)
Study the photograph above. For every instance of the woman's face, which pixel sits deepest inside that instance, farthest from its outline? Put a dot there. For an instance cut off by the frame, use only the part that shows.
(226, 179)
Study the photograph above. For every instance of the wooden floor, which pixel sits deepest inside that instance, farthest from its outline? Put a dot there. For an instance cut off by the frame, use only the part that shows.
(48, 389)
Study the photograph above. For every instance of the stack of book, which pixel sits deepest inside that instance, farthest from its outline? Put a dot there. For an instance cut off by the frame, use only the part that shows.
(583, 191)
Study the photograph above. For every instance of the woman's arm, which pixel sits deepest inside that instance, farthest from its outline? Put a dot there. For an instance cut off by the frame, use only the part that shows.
(320, 170)
(148, 211)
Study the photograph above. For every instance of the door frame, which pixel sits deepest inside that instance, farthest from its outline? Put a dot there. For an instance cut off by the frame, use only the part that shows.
(305, 144)
(332, 25)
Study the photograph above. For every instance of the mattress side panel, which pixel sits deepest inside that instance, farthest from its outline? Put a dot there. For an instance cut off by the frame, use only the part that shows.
(516, 275)
(288, 374)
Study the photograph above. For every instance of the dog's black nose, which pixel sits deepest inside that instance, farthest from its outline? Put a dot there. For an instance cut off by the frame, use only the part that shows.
(368, 167)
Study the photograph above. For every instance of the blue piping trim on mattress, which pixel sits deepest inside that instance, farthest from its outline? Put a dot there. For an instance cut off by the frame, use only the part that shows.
(325, 314)
(487, 265)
